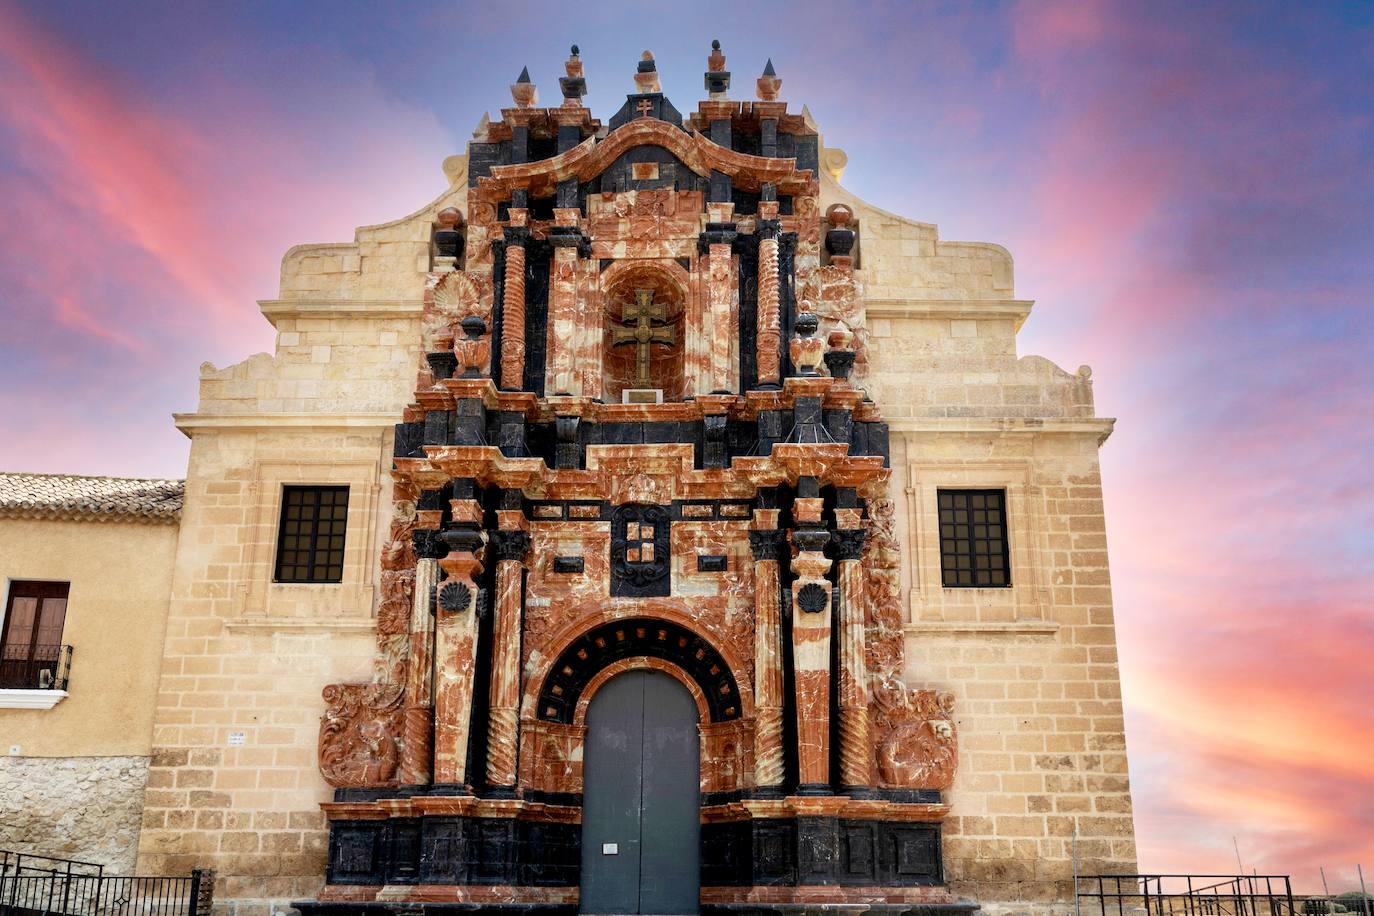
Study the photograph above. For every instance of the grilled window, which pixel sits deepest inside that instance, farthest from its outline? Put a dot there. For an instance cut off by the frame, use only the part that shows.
(310, 539)
(973, 539)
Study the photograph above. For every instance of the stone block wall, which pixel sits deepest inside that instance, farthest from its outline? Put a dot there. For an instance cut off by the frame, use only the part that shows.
(1033, 666)
(233, 782)
(85, 808)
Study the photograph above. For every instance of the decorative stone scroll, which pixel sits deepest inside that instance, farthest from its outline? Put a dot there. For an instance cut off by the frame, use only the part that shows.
(914, 740)
(358, 734)
(916, 746)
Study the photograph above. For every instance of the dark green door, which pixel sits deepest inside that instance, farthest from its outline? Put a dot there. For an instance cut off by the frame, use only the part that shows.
(640, 811)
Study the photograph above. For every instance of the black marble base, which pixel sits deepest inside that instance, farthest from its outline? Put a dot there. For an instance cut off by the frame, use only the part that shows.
(454, 850)
(795, 852)
(961, 908)
(333, 908)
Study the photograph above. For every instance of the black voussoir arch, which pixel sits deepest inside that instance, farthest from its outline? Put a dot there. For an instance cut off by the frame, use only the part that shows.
(637, 636)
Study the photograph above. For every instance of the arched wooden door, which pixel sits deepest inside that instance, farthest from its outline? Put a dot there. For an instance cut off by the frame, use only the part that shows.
(641, 804)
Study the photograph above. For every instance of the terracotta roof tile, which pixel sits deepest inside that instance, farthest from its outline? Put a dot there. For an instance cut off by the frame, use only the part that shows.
(109, 498)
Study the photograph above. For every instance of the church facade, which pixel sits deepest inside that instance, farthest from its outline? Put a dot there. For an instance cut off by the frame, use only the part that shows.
(646, 525)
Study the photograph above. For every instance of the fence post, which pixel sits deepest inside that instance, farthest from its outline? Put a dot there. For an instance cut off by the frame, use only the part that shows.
(202, 891)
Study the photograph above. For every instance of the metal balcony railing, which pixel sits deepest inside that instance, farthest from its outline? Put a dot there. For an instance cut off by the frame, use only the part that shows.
(41, 668)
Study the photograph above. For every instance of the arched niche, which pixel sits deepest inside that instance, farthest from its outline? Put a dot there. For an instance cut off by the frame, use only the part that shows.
(621, 286)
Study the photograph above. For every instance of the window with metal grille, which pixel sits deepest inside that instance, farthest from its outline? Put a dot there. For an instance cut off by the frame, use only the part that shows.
(310, 539)
(973, 539)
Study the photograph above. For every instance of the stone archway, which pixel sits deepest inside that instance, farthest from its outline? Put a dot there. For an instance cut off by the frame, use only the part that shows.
(553, 728)
(585, 657)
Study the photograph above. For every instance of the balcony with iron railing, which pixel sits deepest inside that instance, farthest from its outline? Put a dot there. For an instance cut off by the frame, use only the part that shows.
(35, 678)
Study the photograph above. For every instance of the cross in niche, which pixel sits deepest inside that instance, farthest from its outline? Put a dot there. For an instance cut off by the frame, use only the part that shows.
(644, 107)
(640, 331)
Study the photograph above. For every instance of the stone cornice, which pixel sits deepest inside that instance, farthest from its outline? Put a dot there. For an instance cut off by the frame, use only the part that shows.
(190, 421)
(276, 309)
(1015, 309)
(1101, 427)
(982, 628)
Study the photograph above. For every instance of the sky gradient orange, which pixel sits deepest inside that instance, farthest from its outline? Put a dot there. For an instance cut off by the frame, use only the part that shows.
(1188, 191)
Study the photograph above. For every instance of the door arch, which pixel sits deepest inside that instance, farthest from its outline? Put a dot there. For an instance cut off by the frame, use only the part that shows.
(641, 800)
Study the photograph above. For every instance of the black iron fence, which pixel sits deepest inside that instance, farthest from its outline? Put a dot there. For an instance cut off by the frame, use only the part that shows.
(1186, 895)
(33, 885)
(36, 668)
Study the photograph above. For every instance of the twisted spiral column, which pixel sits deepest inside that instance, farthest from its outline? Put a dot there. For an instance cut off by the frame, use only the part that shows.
(765, 540)
(856, 754)
(769, 339)
(504, 724)
(513, 311)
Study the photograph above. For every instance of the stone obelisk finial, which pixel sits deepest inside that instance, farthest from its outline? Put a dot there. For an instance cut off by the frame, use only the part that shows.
(769, 84)
(525, 93)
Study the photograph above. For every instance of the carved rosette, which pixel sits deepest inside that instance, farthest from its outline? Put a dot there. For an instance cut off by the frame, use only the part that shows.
(358, 734)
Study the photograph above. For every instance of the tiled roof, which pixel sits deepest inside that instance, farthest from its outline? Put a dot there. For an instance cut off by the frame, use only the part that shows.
(127, 499)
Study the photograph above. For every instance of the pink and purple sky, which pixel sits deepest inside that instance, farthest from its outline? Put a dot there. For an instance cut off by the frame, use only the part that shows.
(1188, 191)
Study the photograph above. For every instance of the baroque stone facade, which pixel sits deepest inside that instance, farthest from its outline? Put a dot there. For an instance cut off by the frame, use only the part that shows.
(649, 394)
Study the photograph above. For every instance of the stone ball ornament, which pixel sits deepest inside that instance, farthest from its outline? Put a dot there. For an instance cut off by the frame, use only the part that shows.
(449, 217)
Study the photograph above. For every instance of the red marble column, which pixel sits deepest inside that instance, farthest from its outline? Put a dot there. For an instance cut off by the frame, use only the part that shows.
(510, 545)
(769, 308)
(513, 305)
(720, 273)
(563, 375)
(766, 542)
(456, 645)
(417, 759)
(811, 647)
(856, 754)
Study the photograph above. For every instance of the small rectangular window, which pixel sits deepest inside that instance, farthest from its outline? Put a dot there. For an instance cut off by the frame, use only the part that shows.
(973, 539)
(310, 538)
(31, 642)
